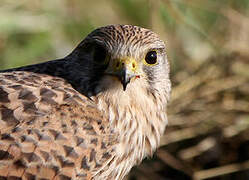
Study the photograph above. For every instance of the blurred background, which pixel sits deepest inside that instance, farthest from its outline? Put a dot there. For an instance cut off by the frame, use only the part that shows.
(208, 49)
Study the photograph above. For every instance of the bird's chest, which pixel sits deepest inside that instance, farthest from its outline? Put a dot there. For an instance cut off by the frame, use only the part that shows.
(139, 121)
(138, 137)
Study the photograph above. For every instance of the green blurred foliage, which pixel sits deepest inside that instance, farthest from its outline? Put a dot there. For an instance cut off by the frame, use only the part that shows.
(137, 12)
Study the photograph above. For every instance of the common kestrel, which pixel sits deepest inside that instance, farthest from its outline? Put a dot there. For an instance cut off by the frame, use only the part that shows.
(91, 115)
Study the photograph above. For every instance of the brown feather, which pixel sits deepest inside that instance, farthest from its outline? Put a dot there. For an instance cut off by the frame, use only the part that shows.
(50, 130)
(69, 119)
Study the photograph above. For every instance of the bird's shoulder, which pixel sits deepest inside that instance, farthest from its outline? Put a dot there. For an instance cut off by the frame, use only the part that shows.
(48, 129)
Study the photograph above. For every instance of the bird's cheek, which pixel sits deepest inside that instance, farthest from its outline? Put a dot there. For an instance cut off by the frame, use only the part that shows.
(137, 77)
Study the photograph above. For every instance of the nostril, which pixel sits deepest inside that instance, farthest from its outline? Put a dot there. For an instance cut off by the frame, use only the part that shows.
(133, 65)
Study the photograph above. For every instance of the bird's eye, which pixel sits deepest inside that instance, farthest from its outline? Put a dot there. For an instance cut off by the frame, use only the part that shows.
(151, 58)
(100, 54)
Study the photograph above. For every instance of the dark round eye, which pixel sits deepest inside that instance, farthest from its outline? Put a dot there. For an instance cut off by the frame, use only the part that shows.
(100, 54)
(151, 57)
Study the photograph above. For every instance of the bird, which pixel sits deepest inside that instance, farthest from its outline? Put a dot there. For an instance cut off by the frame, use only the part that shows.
(93, 114)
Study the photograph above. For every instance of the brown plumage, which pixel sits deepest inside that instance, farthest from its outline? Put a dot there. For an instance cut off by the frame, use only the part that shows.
(91, 115)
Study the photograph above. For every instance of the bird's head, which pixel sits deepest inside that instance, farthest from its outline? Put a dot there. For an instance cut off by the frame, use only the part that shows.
(125, 54)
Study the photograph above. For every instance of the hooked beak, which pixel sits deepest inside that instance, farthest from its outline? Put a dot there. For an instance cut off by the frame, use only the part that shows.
(125, 77)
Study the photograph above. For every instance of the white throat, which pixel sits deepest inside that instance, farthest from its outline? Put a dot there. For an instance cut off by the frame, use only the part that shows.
(137, 116)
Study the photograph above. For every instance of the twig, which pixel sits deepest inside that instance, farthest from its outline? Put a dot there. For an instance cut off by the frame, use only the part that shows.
(214, 172)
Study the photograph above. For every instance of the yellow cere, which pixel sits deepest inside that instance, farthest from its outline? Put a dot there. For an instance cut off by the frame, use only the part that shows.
(130, 63)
